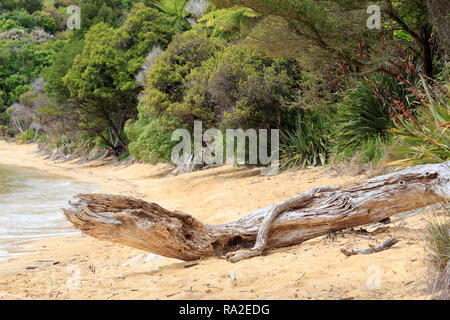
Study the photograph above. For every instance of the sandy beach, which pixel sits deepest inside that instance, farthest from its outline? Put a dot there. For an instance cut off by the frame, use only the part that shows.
(81, 267)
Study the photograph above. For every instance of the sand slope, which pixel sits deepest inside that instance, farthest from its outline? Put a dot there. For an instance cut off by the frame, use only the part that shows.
(81, 267)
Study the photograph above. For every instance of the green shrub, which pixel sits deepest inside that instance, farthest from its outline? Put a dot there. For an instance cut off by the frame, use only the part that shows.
(308, 144)
(30, 5)
(150, 140)
(18, 19)
(26, 137)
(229, 23)
(371, 150)
(45, 21)
(365, 112)
(165, 85)
(241, 88)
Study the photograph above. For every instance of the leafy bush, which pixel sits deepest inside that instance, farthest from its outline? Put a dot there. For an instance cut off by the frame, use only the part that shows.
(240, 88)
(45, 21)
(228, 23)
(165, 84)
(144, 29)
(61, 61)
(21, 62)
(30, 5)
(371, 151)
(150, 140)
(16, 19)
(26, 137)
(308, 144)
(6, 25)
(365, 111)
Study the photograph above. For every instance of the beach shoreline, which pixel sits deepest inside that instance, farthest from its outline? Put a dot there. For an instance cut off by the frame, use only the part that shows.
(81, 267)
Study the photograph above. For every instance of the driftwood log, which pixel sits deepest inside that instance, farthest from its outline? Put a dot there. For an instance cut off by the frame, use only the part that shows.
(372, 249)
(148, 226)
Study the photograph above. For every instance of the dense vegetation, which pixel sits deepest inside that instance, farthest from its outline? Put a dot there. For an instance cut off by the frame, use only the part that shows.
(138, 69)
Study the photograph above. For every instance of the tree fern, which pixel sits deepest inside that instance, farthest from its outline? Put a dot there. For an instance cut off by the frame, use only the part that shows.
(176, 9)
(228, 23)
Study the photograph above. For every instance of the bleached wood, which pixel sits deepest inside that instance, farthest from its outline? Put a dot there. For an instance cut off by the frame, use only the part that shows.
(148, 226)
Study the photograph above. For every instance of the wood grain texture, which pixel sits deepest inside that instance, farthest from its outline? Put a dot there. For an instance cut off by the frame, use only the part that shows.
(148, 226)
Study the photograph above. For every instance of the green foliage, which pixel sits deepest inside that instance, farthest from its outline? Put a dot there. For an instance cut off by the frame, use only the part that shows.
(150, 140)
(8, 24)
(97, 82)
(322, 32)
(61, 61)
(26, 137)
(176, 9)
(425, 140)
(5, 117)
(364, 113)
(228, 23)
(102, 81)
(166, 79)
(241, 88)
(16, 19)
(144, 29)
(30, 5)
(20, 63)
(8, 4)
(372, 150)
(98, 11)
(45, 21)
(308, 144)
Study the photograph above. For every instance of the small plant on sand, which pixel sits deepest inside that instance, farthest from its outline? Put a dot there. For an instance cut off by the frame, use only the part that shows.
(26, 137)
(437, 244)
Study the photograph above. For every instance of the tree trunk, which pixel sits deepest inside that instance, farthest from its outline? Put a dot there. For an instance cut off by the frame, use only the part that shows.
(426, 52)
(147, 226)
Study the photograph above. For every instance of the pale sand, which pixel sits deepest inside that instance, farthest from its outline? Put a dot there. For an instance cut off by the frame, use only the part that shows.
(315, 269)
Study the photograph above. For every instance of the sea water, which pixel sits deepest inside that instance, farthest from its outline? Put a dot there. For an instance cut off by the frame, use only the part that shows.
(30, 207)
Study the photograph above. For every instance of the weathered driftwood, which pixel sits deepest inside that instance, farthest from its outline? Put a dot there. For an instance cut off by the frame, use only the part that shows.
(147, 226)
(372, 249)
(187, 164)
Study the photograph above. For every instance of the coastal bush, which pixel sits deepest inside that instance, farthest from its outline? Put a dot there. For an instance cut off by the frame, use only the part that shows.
(366, 111)
(60, 63)
(26, 137)
(241, 88)
(102, 79)
(16, 19)
(45, 21)
(30, 5)
(144, 29)
(176, 10)
(308, 144)
(229, 23)
(165, 81)
(150, 140)
(21, 62)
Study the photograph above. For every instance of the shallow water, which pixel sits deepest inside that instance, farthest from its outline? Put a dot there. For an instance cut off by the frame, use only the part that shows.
(30, 207)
